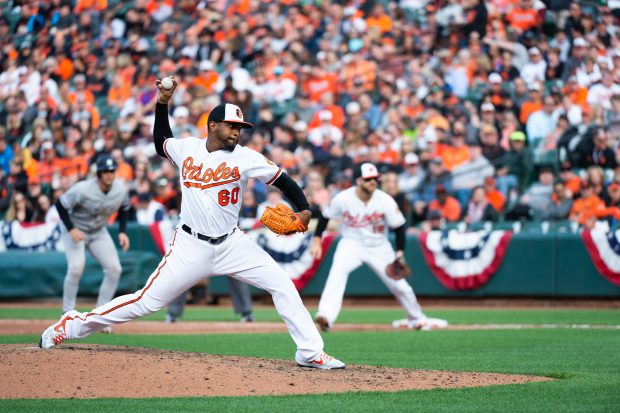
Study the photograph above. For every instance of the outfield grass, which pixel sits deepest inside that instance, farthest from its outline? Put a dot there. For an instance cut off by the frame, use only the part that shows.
(586, 364)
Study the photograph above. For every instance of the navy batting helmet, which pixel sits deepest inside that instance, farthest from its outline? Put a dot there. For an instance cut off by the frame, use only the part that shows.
(106, 163)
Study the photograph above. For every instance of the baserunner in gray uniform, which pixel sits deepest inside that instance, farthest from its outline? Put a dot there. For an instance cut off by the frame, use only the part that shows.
(84, 209)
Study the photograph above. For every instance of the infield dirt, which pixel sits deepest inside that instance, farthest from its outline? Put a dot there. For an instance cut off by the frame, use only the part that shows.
(94, 371)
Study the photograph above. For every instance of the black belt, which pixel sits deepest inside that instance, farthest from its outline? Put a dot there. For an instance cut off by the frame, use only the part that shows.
(211, 240)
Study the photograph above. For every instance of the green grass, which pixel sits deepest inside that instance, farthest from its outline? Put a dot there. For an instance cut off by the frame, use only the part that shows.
(585, 363)
(378, 315)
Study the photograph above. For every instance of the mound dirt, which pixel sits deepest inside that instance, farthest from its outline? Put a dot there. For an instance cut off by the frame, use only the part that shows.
(94, 371)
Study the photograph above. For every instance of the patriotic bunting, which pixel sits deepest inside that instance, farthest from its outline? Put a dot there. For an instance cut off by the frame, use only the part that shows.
(464, 260)
(30, 237)
(604, 249)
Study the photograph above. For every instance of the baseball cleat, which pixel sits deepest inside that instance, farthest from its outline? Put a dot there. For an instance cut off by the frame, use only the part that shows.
(425, 324)
(56, 333)
(247, 318)
(107, 330)
(323, 323)
(170, 319)
(324, 362)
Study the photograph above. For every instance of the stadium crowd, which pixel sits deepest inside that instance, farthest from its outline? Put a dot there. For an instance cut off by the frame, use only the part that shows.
(502, 110)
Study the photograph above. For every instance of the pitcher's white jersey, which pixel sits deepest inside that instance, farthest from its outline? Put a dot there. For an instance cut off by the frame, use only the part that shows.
(212, 183)
(368, 223)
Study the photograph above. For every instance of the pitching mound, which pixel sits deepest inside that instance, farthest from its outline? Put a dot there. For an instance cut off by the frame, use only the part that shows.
(93, 371)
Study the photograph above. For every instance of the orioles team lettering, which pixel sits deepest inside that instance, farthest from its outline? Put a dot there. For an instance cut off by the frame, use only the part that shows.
(375, 220)
(194, 177)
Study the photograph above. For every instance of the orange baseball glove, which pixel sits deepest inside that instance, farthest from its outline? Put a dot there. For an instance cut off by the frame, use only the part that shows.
(282, 220)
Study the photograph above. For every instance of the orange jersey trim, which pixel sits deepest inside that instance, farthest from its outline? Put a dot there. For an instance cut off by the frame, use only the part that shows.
(205, 186)
(272, 180)
(166, 151)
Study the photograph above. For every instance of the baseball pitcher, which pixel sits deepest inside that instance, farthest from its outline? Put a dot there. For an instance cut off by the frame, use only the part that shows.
(213, 173)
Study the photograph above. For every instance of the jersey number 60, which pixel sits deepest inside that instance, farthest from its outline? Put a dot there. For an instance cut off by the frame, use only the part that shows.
(224, 197)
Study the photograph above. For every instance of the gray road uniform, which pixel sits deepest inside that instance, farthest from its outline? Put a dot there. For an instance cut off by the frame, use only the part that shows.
(89, 208)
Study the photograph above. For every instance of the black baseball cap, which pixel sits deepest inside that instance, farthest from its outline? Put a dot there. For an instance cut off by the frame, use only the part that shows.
(106, 163)
(227, 112)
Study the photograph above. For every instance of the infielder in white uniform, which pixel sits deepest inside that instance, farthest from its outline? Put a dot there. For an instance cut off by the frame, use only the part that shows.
(84, 209)
(366, 213)
(213, 174)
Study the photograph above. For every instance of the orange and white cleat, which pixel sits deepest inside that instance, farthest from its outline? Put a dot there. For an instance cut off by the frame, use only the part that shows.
(56, 333)
(324, 362)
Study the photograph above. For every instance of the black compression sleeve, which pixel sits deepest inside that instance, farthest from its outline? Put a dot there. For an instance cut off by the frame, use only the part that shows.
(321, 225)
(161, 128)
(292, 191)
(64, 215)
(400, 237)
(123, 216)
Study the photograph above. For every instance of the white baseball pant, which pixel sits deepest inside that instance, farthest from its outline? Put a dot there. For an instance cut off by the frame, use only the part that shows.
(187, 261)
(349, 255)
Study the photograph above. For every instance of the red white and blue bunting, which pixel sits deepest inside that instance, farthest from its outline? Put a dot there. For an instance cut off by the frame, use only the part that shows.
(292, 252)
(464, 260)
(30, 237)
(604, 249)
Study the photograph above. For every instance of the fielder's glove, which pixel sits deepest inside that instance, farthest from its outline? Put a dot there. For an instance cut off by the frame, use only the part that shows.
(398, 269)
(282, 220)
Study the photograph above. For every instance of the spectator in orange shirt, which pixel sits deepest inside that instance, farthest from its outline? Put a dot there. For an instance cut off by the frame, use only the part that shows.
(207, 76)
(79, 82)
(124, 171)
(586, 208)
(118, 93)
(75, 166)
(575, 92)
(531, 105)
(378, 20)
(571, 180)
(320, 82)
(49, 165)
(494, 197)
(327, 103)
(357, 68)
(523, 17)
(65, 68)
(448, 206)
(455, 154)
(88, 5)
